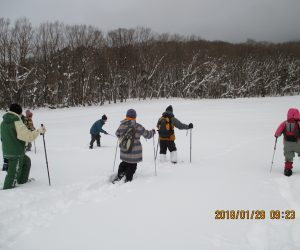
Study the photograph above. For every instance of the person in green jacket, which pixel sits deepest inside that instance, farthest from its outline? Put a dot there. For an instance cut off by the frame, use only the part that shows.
(14, 135)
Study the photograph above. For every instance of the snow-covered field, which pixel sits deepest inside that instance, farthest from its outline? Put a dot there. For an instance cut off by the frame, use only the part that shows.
(232, 148)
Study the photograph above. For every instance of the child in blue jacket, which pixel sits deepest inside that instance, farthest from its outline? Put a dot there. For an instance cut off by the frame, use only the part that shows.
(96, 129)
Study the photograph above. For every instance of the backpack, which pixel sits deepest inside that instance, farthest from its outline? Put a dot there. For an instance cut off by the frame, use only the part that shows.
(127, 140)
(165, 128)
(292, 131)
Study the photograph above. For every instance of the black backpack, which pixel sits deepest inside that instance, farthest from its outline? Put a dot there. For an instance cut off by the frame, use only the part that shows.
(127, 140)
(292, 131)
(165, 127)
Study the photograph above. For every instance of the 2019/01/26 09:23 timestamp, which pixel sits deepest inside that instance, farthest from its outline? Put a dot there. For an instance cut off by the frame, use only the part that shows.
(255, 214)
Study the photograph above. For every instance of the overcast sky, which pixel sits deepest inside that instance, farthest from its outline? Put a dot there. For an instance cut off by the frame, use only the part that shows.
(228, 20)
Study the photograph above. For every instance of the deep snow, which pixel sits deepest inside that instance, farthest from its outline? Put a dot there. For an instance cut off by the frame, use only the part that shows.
(232, 147)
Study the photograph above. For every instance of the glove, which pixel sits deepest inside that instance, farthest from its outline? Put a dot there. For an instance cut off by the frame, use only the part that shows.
(41, 130)
(5, 167)
(105, 133)
(153, 130)
(191, 125)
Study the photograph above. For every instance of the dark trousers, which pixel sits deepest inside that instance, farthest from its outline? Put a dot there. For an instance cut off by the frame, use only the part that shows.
(127, 169)
(164, 145)
(95, 137)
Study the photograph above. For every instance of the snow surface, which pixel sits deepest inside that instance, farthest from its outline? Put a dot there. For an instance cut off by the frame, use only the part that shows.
(232, 149)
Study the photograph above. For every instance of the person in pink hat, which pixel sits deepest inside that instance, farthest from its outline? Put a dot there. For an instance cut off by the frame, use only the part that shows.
(29, 124)
(291, 142)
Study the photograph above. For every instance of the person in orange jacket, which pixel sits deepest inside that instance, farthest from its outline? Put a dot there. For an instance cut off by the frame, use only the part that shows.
(166, 124)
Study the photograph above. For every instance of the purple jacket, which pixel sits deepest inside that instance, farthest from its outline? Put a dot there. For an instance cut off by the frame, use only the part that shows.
(135, 155)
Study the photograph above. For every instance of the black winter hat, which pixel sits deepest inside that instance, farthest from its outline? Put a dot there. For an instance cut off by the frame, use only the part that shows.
(16, 108)
(104, 117)
(169, 108)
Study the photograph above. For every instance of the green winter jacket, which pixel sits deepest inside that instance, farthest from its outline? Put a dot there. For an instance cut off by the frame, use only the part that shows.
(14, 135)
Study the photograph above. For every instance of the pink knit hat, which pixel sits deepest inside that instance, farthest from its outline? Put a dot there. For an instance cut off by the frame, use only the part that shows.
(28, 113)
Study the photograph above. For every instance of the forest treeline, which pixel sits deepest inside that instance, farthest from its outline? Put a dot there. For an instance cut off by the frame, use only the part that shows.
(62, 65)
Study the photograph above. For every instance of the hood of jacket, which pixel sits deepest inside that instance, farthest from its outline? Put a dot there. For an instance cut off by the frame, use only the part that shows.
(128, 123)
(293, 114)
(10, 117)
(168, 114)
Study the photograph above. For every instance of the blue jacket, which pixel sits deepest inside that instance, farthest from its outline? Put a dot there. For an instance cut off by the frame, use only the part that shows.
(97, 128)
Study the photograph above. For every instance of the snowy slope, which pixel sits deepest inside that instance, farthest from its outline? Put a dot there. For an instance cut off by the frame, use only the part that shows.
(232, 150)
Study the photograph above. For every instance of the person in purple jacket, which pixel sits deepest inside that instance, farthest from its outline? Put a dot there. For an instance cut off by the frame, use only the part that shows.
(133, 156)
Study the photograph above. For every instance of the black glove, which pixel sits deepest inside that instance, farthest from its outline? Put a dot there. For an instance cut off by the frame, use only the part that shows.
(105, 133)
(191, 125)
(5, 167)
(153, 130)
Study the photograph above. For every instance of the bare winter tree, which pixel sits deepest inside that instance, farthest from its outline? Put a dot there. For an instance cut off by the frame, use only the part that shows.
(18, 64)
(5, 55)
(58, 65)
(49, 41)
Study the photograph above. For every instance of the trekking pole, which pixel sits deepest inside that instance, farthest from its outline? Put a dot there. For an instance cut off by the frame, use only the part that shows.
(191, 145)
(273, 155)
(34, 147)
(154, 154)
(115, 155)
(46, 157)
(112, 135)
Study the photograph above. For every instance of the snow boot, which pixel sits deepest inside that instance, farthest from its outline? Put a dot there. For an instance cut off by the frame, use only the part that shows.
(118, 178)
(30, 180)
(162, 158)
(288, 172)
(288, 168)
(174, 157)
